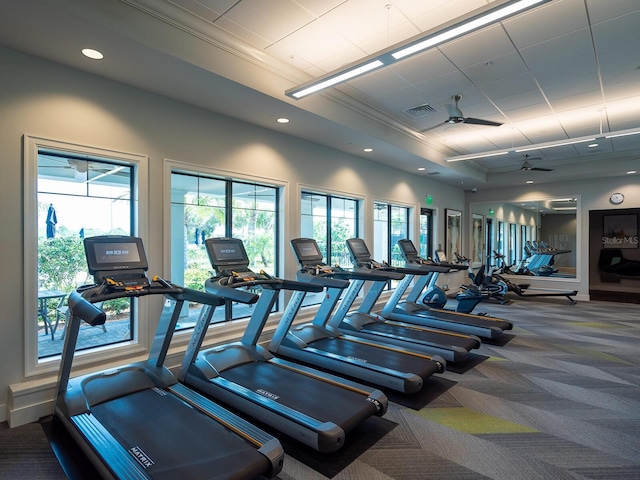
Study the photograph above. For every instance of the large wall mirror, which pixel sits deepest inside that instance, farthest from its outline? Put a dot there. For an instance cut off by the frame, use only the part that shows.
(532, 238)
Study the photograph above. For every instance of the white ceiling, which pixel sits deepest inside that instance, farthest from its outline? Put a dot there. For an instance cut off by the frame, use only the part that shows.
(567, 69)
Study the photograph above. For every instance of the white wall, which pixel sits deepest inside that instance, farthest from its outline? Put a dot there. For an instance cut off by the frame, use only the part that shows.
(44, 99)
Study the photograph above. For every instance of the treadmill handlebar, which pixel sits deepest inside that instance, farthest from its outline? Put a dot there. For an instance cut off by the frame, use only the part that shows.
(380, 269)
(159, 286)
(85, 310)
(215, 286)
(325, 276)
(424, 268)
(263, 280)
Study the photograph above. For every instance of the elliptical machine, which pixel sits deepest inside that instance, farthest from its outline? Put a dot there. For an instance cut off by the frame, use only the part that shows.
(435, 296)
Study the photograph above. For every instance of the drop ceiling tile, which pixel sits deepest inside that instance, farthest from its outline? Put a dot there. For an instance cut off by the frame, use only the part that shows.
(617, 31)
(558, 49)
(379, 83)
(348, 53)
(600, 11)
(624, 92)
(507, 87)
(385, 39)
(444, 12)
(318, 42)
(573, 69)
(240, 31)
(495, 69)
(218, 5)
(480, 46)
(620, 63)
(316, 7)
(443, 87)
(197, 8)
(517, 109)
(274, 23)
(423, 67)
(549, 21)
(572, 92)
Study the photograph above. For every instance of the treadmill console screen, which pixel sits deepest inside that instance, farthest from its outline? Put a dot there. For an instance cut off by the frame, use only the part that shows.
(307, 251)
(224, 252)
(441, 256)
(114, 253)
(358, 248)
(408, 249)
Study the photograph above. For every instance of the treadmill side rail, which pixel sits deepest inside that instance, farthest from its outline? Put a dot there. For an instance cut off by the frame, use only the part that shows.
(112, 453)
(267, 445)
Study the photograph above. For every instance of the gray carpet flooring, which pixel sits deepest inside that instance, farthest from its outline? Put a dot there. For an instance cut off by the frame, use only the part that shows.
(559, 400)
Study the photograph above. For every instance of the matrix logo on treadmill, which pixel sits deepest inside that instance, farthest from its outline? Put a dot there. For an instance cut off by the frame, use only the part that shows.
(141, 457)
(270, 395)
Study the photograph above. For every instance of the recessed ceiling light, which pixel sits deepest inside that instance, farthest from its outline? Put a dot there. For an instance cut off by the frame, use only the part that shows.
(282, 120)
(368, 150)
(529, 181)
(592, 145)
(421, 169)
(93, 54)
(630, 172)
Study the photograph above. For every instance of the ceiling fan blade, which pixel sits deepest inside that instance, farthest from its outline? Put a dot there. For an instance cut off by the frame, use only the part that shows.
(433, 127)
(479, 121)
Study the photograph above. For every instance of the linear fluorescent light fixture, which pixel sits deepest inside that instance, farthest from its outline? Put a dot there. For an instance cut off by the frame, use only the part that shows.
(473, 21)
(622, 134)
(551, 145)
(468, 25)
(473, 157)
(339, 78)
(542, 146)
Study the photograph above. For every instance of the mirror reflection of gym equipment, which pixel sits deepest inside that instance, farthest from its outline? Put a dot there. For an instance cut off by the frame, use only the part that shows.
(529, 237)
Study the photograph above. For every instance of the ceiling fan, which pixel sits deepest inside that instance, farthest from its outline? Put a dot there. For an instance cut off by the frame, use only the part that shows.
(527, 167)
(456, 116)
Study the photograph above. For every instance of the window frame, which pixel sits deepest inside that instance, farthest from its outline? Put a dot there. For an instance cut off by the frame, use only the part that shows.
(409, 211)
(139, 195)
(226, 330)
(329, 197)
(229, 185)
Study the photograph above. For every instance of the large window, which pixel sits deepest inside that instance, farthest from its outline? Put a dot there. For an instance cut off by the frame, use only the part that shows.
(330, 220)
(72, 192)
(390, 224)
(204, 207)
(78, 197)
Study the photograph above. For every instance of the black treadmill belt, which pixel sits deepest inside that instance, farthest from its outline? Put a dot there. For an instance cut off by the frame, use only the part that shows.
(400, 362)
(421, 335)
(323, 401)
(461, 318)
(177, 441)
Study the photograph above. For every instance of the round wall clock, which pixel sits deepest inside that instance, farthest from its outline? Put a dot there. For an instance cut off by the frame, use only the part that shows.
(616, 198)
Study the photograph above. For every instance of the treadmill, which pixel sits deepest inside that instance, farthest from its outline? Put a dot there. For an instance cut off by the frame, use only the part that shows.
(400, 368)
(136, 421)
(453, 347)
(413, 312)
(313, 407)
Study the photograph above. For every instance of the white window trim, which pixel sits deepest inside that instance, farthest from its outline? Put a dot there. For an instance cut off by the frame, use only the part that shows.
(140, 195)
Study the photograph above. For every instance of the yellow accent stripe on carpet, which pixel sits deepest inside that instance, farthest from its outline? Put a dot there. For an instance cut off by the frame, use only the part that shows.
(473, 422)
